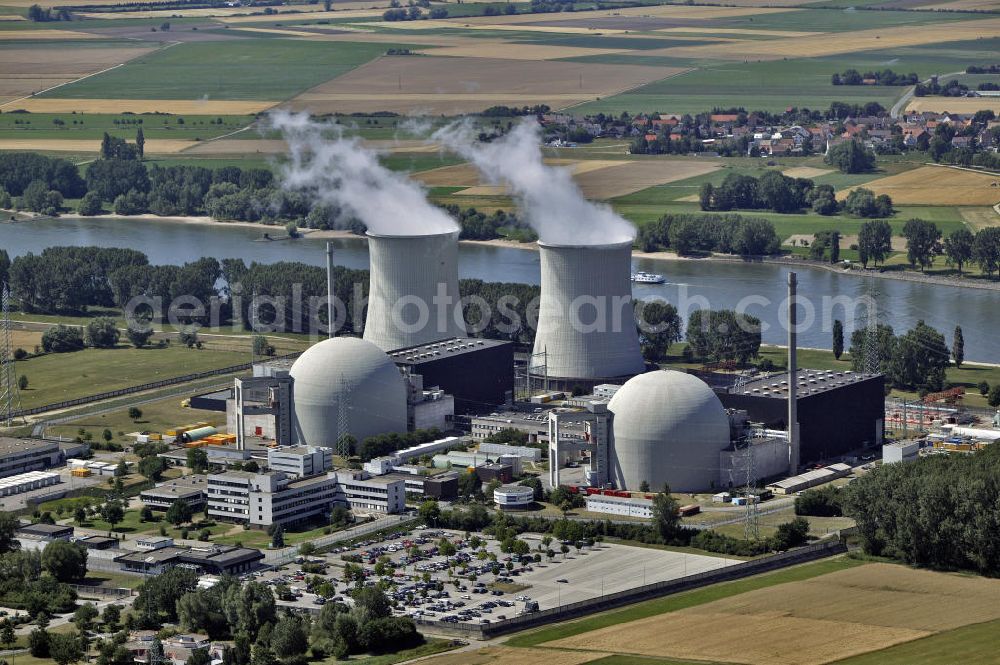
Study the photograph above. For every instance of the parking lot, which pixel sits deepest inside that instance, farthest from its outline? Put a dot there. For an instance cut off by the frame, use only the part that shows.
(479, 583)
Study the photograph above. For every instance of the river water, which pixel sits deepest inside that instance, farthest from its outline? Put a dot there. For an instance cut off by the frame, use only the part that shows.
(759, 289)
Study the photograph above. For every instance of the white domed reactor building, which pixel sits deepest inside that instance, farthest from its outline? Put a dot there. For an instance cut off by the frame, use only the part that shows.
(668, 427)
(350, 383)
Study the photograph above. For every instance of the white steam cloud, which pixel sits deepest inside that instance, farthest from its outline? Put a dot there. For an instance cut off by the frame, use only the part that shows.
(550, 201)
(339, 171)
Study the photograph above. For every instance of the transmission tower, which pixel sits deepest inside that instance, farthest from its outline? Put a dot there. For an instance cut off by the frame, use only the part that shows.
(751, 519)
(10, 393)
(873, 357)
(343, 406)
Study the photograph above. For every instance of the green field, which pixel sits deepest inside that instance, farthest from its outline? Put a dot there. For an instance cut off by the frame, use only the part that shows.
(252, 69)
(968, 645)
(70, 126)
(133, 524)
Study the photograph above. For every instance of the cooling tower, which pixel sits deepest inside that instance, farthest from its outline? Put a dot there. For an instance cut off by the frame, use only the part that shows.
(586, 324)
(409, 276)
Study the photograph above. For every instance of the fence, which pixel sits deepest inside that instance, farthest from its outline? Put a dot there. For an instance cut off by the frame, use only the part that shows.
(101, 591)
(657, 589)
(99, 397)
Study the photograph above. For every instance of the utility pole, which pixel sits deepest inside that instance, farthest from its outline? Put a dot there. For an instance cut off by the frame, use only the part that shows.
(329, 289)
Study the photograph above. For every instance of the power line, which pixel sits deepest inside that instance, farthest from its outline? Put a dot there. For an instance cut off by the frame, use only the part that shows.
(10, 392)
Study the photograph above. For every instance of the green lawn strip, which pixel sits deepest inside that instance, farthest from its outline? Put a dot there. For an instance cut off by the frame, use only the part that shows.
(132, 524)
(681, 601)
(250, 69)
(431, 647)
(70, 126)
(969, 645)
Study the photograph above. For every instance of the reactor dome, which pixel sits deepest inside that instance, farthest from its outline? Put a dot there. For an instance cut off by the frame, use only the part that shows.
(668, 427)
(346, 381)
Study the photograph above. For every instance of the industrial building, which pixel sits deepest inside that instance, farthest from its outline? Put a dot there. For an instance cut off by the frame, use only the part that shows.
(810, 479)
(502, 449)
(622, 506)
(479, 373)
(26, 482)
(838, 412)
(190, 489)
(24, 455)
(215, 560)
(535, 425)
(45, 532)
(300, 460)
(586, 326)
(513, 497)
(900, 451)
(413, 297)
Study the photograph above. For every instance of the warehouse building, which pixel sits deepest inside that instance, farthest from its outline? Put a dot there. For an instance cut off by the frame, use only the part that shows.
(45, 532)
(479, 373)
(900, 451)
(24, 455)
(623, 506)
(838, 412)
(809, 479)
(26, 482)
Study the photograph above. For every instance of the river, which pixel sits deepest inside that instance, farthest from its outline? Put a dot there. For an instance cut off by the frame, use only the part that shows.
(690, 283)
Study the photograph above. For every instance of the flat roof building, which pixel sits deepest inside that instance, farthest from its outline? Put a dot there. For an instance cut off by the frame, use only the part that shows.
(215, 560)
(26, 482)
(619, 505)
(300, 460)
(23, 455)
(190, 489)
(45, 532)
(513, 497)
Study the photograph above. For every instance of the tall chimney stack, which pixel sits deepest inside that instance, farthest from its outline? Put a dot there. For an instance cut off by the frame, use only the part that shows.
(793, 380)
(329, 289)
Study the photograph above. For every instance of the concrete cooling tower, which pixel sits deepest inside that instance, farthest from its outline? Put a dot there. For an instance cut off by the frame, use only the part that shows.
(407, 273)
(586, 325)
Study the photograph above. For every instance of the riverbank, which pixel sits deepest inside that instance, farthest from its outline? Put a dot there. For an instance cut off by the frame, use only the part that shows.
(790, 261)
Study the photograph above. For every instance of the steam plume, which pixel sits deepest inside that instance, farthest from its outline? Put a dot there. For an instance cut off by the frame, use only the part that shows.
(552, 203)
(339, 171)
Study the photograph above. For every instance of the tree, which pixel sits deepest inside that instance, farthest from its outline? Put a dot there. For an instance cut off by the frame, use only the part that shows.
(102, 333)
(151, 467)
(8, 533)
(62, 339)
(705, 196)
(134, 413)
(90, 205)
(107, 435)
(659, 326)
(79, 515)
(958, 347)
(112, 615)
(84, 617)
(875, 241)
(429, 511)
(790, 534)
(278, 538)
(7, 636)
(838, 338)
(65, 561)
(179, 512)
(197, 460)
(22, 382)
(644, 486)
(140, 142)
(986, 250)
(851, 157)
(112, 513)
(38, 643)
(958, 248)
(64, 648)
(289, 638)
(922, 242)
(155, 654)
(138, 337)
(919, 359)
(993, 399)
(199, 657)
(666, 515)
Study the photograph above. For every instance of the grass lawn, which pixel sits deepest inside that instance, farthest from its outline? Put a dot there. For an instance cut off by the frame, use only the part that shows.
(431, 647)
(157, 416)
(681, 601)
(132, 524)
(969, 645)
(261, 540)
(254, 69)
(93, 126)
(113, 580)
(60, 376)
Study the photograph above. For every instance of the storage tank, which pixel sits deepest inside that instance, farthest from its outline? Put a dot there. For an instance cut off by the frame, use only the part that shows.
(346, 382)
(668, 427)
(410, 276)
(586, 323)
(198, 433)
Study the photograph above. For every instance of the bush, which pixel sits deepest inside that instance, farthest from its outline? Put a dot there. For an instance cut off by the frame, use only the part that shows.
(62, 339)
(102, 333)
(90, 204)
(824, 502)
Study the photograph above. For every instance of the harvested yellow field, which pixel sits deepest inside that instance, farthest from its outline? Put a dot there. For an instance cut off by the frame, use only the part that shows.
(24, 35)
(817, 621)
(435, 84)
(12, 17)
(153, 146)
(284, 32)
(26, 71)
(980, 218)
(25, 339)
(514, 656)
(954, 104)
(458, 175)
(527, 52)
(709, 30)
(805, 172)
(836, 43)
(178, 106)
(966, 5)
(442, 23)
(937, 185)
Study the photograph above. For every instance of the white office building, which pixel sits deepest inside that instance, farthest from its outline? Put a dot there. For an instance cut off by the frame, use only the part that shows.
(619, 505)
(364, 493)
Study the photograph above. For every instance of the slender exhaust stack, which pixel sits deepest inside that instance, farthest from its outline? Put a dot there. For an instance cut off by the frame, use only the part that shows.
(329, 289)
(587, 285)
(793, 380)
(413, 298)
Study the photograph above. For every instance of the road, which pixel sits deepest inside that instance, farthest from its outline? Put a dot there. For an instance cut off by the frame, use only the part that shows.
(900, 106)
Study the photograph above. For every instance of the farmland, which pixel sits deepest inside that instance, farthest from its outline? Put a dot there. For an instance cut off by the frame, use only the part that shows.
(951, 187)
